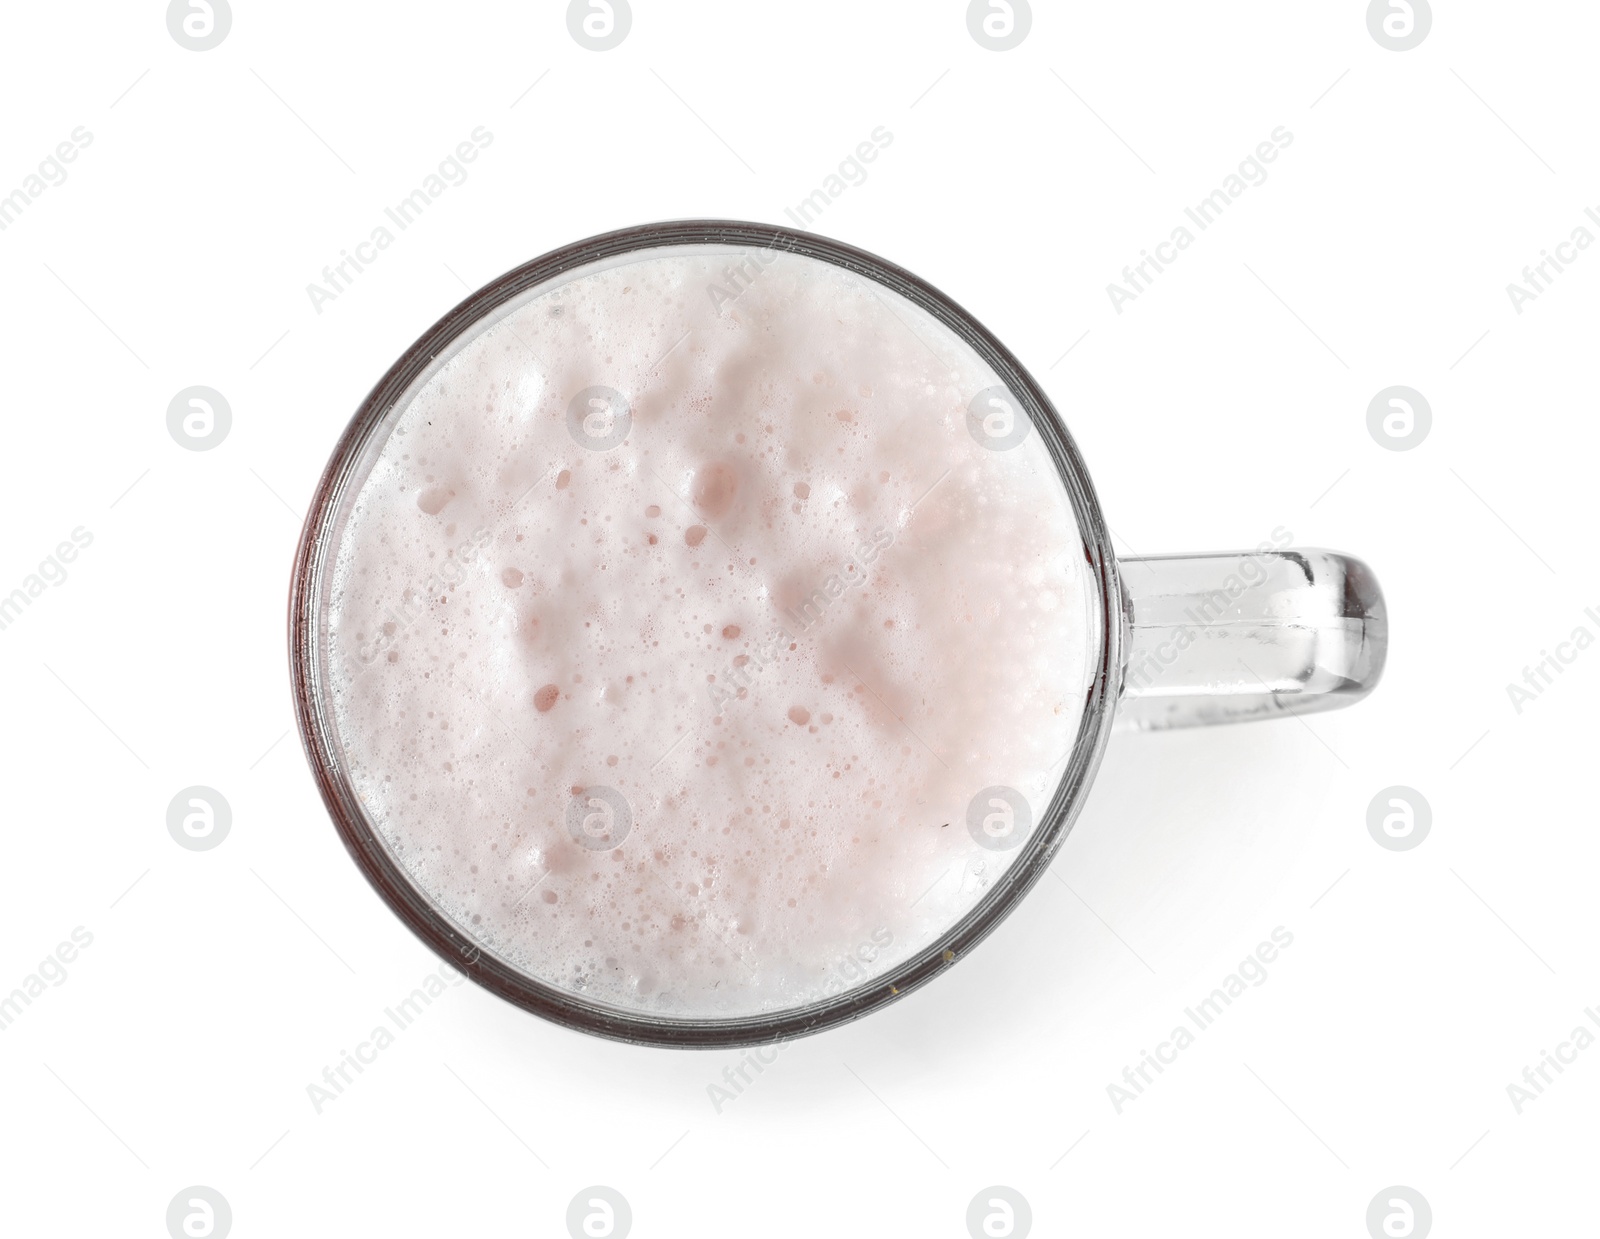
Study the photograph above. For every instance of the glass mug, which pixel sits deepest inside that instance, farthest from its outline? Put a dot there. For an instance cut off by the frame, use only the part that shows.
(1158, 642)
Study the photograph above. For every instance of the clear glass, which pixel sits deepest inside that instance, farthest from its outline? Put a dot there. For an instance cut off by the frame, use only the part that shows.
(1167, 642)
(1226, 638)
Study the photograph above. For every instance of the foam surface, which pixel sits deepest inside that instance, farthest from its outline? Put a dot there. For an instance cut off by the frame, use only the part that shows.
(773, 629)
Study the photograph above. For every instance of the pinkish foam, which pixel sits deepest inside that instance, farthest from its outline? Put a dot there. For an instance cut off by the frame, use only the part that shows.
(793, 621)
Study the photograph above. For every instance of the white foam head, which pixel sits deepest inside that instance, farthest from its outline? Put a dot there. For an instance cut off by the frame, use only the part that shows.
(690, 644)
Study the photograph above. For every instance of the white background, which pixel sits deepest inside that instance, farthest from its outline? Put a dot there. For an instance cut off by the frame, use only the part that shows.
(1227, 400)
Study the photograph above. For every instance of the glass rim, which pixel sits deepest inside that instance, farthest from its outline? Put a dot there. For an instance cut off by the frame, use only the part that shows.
(307, 627)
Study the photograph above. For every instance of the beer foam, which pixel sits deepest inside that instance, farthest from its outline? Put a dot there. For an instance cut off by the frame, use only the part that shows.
(680, 620)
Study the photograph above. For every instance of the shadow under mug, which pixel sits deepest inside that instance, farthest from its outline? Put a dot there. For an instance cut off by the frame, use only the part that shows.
(1183, 640)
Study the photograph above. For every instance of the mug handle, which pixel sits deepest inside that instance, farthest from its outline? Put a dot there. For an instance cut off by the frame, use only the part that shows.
(1227, 637)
